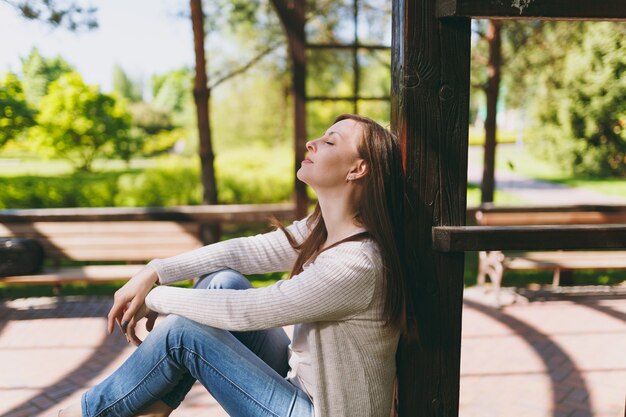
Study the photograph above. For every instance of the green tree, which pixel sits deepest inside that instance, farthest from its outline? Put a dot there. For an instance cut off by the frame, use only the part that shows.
(580, 110)
(125, 87)
(15, 113)
(78, 123)
(495, 62)
(39, 72)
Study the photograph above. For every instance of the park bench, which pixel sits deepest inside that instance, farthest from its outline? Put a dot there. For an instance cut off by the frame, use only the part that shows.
(494, 263)
(114, 243)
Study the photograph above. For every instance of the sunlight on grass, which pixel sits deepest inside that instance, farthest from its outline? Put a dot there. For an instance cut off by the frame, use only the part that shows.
(56, 167)
(477, 136)
(500, 197)
(519, 160)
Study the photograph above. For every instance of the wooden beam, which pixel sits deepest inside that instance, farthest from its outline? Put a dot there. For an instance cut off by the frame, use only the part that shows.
(206, 213)
(549, 218)
(534, 9)
(476, 238)
(430, 107)
(606, 208)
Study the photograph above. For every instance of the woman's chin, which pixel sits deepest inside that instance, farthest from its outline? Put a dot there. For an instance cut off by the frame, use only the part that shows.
(302, 177)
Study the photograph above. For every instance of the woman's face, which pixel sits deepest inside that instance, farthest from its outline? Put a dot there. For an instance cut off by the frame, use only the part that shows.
(331, 158)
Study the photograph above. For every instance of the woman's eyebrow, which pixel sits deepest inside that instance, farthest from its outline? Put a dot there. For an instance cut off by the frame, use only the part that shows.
(334, 132)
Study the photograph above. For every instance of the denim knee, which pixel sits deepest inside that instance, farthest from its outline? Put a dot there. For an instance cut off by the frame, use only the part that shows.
(225, 279)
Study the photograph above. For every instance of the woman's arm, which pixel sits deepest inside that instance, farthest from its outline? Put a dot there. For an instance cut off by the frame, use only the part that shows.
(340, 283)
(261, 253)
(269, 252)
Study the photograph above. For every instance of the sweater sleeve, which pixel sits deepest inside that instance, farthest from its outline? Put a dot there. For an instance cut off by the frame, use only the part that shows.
(338, 284)
(269, 252)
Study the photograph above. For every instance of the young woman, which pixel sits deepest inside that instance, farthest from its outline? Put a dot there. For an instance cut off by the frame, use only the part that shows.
(346, 298)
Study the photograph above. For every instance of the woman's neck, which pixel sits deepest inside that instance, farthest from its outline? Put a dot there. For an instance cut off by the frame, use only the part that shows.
(339, 217)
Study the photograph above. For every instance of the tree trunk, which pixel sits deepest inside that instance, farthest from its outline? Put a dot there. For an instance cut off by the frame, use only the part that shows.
(202, 95)
(492, 90)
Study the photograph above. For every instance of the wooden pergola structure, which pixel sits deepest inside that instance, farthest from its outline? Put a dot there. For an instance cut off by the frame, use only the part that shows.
(429, 111)
(430, 107)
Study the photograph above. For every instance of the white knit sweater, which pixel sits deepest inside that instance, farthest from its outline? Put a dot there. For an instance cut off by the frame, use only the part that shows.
(340, 294)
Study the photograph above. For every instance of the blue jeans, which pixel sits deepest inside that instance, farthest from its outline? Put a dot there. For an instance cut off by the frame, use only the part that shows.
(244, 371)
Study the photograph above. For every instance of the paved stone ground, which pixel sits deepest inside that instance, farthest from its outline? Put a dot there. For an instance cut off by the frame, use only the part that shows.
(554, 356)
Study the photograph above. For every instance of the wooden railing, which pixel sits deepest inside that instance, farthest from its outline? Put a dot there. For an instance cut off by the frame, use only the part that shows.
(232, 213)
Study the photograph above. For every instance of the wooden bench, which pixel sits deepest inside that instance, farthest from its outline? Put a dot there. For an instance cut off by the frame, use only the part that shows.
(494, 263)
(116, 242)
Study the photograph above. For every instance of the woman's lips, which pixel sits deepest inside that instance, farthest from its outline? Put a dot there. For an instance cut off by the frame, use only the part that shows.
(307, 160)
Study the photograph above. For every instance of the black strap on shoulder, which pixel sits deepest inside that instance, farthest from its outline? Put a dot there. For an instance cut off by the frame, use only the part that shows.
(352, 238)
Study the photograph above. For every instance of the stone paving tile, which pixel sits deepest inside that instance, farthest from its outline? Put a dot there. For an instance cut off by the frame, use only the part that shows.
(549, 358)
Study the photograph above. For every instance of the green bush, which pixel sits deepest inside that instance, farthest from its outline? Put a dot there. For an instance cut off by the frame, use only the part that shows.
(173, 181)
(251, 175)
(255, 175)
(75, 190)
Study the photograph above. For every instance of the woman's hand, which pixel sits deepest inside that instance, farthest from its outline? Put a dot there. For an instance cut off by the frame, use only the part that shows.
(128, 300)
(150, 316)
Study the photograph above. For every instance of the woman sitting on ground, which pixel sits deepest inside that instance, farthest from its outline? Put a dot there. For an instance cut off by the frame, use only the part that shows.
(345, 296)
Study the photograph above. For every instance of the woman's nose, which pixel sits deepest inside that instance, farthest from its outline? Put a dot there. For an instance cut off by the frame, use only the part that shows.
(309, 146)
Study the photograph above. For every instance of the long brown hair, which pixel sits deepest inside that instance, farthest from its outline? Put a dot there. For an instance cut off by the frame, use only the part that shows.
(380, 211)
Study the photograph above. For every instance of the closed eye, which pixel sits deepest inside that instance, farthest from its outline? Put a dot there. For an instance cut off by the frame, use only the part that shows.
(330, 143)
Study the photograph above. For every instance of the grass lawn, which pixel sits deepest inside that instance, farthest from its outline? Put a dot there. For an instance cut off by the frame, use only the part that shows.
(521, 161)
(477, 136)
(501, 197)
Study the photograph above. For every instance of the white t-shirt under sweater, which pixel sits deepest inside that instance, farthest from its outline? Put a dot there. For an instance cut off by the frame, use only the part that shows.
(348, 365)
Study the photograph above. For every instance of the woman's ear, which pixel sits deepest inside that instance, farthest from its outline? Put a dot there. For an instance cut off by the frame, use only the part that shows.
(359, 170)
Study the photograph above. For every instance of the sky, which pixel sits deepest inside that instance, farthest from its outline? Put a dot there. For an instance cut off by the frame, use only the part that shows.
(144, 37)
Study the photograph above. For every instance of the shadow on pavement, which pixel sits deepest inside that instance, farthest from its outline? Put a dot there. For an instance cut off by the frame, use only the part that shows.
(546, 349)
(75, 379)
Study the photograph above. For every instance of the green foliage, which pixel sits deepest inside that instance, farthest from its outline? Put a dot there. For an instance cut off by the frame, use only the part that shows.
(39, 72)
(251, 110)
(153, 129)
(255, 175)
(149, 119)
(125, 87)
(162, 142)
(245, 176)
(172, 91)
(71, 15)
(15, 113)
(581, 116)
(78, 123)
(172, 182)
(74, 190)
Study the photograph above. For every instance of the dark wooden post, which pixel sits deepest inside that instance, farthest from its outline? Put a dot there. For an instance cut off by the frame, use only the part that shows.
(430, 105)
(291, 14)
